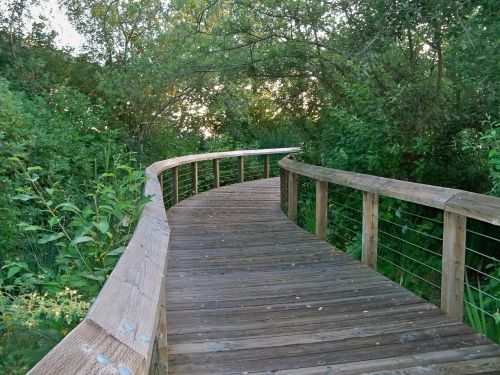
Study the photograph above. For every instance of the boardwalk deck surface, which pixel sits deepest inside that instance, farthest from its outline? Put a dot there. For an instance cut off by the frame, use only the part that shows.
(249, 292)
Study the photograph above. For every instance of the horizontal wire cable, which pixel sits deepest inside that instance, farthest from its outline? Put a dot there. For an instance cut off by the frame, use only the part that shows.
(483, 235)
(483, 292)
(411, 273)
(480, 309)
(409, 243)
(410, 213)
(413, 230)
(482, 273)
(409, 257)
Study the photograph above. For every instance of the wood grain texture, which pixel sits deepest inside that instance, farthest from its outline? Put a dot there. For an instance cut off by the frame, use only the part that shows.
(370, 230)
(249, 292)
(163, 165)
(266, 166)
(216, 170)
(477, 206)
(453, 264)
(321, 209)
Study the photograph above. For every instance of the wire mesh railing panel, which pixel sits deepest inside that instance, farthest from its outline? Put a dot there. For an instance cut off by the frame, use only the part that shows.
(205, 175)
(185, 181)
(345, 219)
(410, 246)
(228, 171)
(482, 278)
(274, 168)
(254, 168)
(166, 178)
(306, 205)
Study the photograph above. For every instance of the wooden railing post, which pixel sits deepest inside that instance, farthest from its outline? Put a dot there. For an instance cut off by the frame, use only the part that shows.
(161, 184)
(453, 268)
(321, 208)
(370, 229)
(283, 188)
(194, 177)
(216, 173)
(292, 196)
(175, 185)
(266, 166)
(241, 169)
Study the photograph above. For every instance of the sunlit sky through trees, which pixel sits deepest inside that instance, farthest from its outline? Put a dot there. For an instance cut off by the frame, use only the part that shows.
(56, 16)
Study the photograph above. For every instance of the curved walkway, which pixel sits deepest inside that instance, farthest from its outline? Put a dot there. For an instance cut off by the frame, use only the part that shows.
(249, 292)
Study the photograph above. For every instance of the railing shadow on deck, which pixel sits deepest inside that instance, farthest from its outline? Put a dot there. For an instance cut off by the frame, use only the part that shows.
(124, 331)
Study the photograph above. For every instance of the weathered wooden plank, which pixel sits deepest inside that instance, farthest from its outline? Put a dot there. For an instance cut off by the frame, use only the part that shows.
(321, 209)
(381, 365)
(162, 165)
(247, 298)
(453, 266)
(88, 349)
(370, 229)
(476, 206)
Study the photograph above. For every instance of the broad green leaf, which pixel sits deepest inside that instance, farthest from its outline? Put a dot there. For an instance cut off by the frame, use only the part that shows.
(81, 239)
(35, 168)
(93, 277)
(13, 271)
(53, 221)
(50, 238)
(102, 226)
(30, 228)
(68, 207)
(117, 251)
(23, 197)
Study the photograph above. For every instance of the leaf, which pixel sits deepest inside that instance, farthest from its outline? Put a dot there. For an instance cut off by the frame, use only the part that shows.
(102, 226)
(92, 277)
(35, 168)
(68, 207)
(117, 251)
(81, 239)
(31, 228)
(53, 221)
(50, 237)
(23, 197)
(13, 271)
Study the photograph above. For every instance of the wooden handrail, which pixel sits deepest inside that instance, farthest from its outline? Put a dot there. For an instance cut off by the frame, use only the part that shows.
(119, 331)
(457, 205)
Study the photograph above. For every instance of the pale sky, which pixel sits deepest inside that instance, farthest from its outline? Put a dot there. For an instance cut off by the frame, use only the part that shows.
(68, 36)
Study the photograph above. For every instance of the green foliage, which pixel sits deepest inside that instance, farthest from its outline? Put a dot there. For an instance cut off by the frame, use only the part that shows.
(31, 323)
(70, 197)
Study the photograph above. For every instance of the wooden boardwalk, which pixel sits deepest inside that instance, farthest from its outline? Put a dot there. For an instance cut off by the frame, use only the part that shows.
(249, 292)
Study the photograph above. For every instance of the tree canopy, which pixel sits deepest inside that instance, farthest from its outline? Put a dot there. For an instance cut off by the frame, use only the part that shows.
(398, 88)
